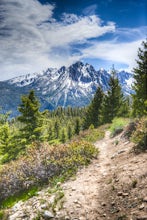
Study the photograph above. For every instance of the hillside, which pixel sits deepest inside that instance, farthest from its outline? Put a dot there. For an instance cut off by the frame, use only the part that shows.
(113, 186)
(68, 86)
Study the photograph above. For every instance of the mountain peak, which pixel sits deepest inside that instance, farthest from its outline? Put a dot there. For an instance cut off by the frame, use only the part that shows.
(62, 69)
(68, 86)
(78, 64)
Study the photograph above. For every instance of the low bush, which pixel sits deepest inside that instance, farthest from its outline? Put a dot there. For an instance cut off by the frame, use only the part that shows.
(118, 125)
(41, 163)
(92, 134)
(128, 131)
(139, 136)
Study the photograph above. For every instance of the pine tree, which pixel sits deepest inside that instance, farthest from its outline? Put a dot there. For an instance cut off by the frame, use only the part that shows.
(69, 131)
(50, 133)
(125, 107)
(77, 126)
(30, 117)
(63, 137)
(9, 147)
(92, 115)
(140, 84)
(4, 117)
(113, 100)
(56, 129)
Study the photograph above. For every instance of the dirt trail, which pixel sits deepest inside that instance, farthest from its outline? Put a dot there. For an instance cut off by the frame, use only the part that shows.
(83, 195)
(113, 186)
(103, 190)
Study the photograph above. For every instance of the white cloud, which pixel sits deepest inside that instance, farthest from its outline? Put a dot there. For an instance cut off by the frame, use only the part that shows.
(80, 31)
(130, 34)
(32, 39)
(122, 49)
(90, 10)
(125, 53)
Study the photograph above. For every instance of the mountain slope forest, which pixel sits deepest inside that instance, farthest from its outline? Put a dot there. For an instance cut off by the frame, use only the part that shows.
(68, 86)
(39, 148)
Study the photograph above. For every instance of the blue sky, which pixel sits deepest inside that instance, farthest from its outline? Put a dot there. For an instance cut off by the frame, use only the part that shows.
(38, 34)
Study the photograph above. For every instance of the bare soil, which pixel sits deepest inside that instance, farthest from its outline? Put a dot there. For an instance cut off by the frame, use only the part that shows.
(113, 186)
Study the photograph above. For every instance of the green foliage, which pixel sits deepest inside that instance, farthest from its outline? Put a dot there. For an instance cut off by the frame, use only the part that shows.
(139, 136)
(69, 131)
(7, 141)
(92, 115)
(4, 118)
(117, 125)
(23, 196)
(63, 137)
(77, 126)
(30, 117)
(55, 141)
(41, 163)
(61, 124)
(9, 147)
(113, 100)
(18, 134)
(91, 135)
(58, 200)
(56, 129)
(3, 215)
(125, 108)
(129, 129)
(140, 84)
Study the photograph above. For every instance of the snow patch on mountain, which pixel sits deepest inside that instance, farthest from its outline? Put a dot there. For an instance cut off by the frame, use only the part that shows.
(130, 82)
(24, 80)
(67, 86)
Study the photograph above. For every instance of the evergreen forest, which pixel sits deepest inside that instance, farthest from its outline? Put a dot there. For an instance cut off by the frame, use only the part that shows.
(46, 135)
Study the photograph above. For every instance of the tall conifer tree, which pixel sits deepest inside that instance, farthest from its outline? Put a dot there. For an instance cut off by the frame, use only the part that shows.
(140, 84)
(113, 100)
(92, 115)
(77, 126)
(30, 117)
(9, 148)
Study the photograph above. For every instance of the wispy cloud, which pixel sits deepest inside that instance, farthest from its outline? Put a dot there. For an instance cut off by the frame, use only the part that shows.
(131, 34)
(114, 51)
(123, 48)
(90, 10)
(31, 39)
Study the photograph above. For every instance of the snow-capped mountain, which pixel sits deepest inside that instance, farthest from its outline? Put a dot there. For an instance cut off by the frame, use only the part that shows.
(74, 85)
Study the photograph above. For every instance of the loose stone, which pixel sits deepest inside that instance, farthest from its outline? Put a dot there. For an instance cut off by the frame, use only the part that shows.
(48, 215)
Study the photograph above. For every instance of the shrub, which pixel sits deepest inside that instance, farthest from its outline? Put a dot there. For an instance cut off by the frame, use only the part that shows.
(139, 136)
(118, 125)
(128, 131)
(91, 135)
(1, 214)
(41, 163)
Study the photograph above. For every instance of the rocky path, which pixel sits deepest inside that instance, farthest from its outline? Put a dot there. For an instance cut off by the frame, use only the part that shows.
(83, 195)
(103, 190)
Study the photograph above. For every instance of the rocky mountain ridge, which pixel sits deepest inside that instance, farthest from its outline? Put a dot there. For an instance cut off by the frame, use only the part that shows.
(68, 86)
